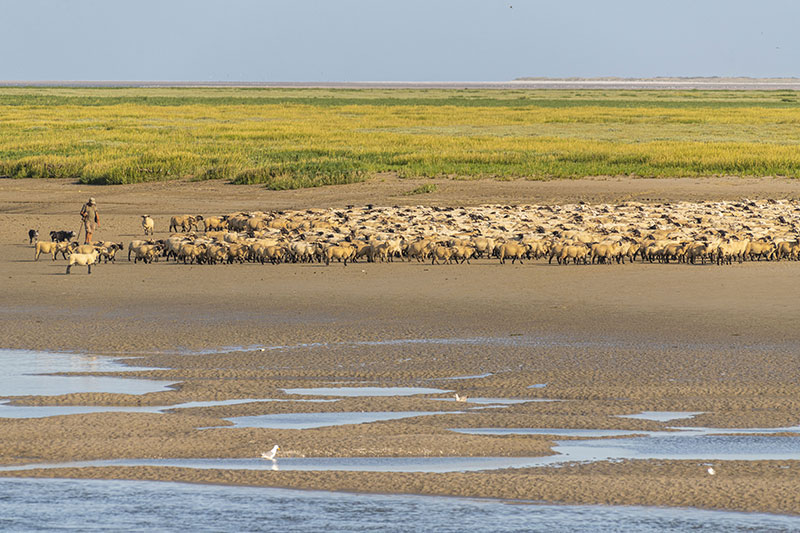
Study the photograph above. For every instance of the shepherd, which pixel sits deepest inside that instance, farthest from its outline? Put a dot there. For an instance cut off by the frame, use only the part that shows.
(91, 220)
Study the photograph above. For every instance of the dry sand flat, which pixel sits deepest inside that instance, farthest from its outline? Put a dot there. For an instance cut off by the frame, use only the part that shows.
(614, 341)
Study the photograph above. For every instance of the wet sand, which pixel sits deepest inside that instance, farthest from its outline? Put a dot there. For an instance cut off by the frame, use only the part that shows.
(610, 340)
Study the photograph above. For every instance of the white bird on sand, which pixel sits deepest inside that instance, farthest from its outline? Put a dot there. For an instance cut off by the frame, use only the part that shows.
(461, 398)
(711, 471)
(271, 454)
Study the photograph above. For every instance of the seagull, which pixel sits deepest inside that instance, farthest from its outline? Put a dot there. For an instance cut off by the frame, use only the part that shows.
(460, 398)
(711, 471)
(271, 454)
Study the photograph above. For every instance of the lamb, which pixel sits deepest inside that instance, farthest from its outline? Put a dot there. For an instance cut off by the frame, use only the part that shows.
(148, 225)
(82, 259)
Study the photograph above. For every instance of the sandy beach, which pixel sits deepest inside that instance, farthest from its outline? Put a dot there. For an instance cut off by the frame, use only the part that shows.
(610, 340)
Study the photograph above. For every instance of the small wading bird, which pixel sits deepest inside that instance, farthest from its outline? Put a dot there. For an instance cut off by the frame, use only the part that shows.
(271, 454)
(460, 398)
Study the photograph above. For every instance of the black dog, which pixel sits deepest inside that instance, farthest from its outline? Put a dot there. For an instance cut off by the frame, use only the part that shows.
(61, 236)
(33, 234)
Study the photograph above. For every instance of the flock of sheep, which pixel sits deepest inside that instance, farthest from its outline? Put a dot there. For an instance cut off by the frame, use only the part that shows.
(708, 232)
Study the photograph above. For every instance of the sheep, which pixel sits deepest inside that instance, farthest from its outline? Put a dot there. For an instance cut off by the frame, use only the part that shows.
(463, 252)
(715, 231)
(363, 249)
(216, 253)
(441, 253)
(146, 252)
(302, 252)
(237, 252)
(185, 222)
(419, 249)
(605, 252)
(790, 249)
(82, 259)
(148, 225)
(694, 250)
(192, 252)
(215, 223)
(274, 254)
(135, 244)
(110, 252)
(512, 250)
(758, 249)
(731, 249)
(339, 252)
(538, 248)
(483, 245)
(84, 249)
(52, 248)
(555, 251)
(577, 252)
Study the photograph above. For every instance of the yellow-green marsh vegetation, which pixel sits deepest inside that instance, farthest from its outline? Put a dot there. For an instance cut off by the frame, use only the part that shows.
(290, 138)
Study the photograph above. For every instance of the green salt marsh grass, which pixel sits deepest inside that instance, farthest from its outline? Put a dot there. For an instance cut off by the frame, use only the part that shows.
(292, 138)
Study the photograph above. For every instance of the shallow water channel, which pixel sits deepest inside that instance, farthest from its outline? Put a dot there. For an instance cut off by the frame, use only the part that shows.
(44, 505)
(28, 505)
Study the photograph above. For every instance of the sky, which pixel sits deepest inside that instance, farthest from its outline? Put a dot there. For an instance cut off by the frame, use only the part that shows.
(400, 40)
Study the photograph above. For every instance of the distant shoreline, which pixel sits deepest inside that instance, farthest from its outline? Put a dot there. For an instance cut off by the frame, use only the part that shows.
(752, 84)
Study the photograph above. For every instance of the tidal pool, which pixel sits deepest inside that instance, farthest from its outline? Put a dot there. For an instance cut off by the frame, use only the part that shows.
(500, 401)
(29, 373)
(663, 416)
(33, 505)
(42, 411)
(365, 391)
(318, 420)
(683, 443)
(344, 464)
